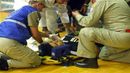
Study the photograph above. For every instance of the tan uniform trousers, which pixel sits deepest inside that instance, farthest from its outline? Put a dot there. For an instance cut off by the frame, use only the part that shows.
(20, 55)
(119, 55)
(90, 35)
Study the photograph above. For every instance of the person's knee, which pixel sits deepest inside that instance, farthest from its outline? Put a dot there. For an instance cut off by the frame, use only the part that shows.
(36, 62)
(87, 32)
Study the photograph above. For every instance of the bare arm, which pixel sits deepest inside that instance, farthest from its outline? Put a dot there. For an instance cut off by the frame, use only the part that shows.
(36, 34)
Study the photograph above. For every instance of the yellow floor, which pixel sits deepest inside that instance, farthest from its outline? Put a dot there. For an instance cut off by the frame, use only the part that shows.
(3, 15)
(105, 67)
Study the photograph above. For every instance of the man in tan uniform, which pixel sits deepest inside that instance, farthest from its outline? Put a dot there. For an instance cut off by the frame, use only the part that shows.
(115, 34)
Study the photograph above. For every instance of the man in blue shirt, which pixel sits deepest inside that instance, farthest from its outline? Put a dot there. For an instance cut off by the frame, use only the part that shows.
(19, 26)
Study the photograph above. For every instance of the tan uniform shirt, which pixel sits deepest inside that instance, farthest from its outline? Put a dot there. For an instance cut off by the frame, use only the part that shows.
(33, 19)
(114, 16)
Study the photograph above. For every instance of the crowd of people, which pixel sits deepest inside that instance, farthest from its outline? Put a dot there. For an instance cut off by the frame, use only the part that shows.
(113, 17)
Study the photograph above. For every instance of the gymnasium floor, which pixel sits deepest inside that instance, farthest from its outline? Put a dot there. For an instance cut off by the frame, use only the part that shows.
(104, 67)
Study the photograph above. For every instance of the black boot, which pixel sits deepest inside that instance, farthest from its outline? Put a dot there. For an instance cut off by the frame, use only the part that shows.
(3, 64)
(88, 63)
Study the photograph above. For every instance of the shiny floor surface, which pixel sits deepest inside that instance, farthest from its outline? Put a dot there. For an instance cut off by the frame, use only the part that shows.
(104, 67)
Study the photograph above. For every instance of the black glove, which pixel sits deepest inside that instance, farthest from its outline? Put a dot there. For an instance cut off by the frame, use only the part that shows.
(45, 49)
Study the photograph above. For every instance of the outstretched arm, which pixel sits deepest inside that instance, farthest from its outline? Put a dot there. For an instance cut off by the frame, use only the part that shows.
(36, 34)
(33, 21)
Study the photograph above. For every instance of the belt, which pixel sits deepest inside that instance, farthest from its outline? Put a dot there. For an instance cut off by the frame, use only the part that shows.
(128, 30)
(15, 21)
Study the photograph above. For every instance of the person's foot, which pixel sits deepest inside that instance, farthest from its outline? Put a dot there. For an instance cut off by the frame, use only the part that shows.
(87, 63)
(3, 64)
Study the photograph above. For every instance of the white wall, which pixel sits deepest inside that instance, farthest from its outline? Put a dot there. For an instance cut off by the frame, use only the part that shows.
(19, 3)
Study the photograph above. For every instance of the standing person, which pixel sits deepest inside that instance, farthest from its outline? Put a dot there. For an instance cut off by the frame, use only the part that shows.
(53, 10)
(115, 34)
(49, 17)
(62, 11)
(19, 26)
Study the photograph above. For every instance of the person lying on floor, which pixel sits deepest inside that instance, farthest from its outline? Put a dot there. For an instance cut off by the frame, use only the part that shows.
(59, 46)
(62, 50)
